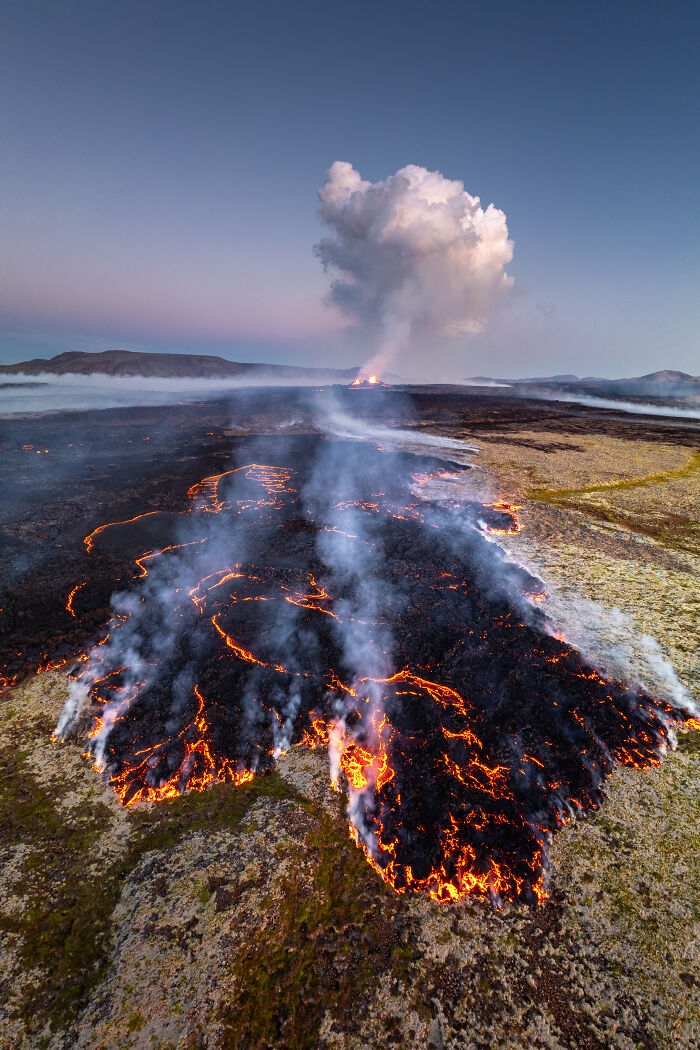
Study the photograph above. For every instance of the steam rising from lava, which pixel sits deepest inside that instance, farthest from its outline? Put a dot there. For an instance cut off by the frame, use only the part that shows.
(417, 256)
(341, 596)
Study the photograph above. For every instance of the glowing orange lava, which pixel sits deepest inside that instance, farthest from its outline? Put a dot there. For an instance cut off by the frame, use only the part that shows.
(367, 381)
(366, 744)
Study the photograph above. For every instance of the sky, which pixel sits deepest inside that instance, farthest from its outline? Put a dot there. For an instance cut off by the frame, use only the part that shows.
(161, 163)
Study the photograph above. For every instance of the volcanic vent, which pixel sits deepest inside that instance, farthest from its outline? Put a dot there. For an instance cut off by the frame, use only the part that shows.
(365, 382)
(311, 596)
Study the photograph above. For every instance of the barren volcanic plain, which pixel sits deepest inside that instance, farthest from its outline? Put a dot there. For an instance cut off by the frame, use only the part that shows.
(240, 913)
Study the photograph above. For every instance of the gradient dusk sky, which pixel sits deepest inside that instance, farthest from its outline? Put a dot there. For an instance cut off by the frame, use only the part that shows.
(160, 165)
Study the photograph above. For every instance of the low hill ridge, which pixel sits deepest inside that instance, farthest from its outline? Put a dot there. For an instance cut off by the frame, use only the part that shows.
(168, 366)
(664, 383)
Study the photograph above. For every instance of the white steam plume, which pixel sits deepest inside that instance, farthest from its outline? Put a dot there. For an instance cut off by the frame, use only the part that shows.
(415, 254)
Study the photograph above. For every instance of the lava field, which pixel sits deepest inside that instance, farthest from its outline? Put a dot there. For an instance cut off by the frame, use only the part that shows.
(330, 594)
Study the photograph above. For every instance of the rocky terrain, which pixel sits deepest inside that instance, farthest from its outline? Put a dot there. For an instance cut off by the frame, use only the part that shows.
(244, 917)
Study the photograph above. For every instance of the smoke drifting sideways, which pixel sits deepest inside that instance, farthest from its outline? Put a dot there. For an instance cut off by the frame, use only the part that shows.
(635, 408)
(23, 395)
(415, 258)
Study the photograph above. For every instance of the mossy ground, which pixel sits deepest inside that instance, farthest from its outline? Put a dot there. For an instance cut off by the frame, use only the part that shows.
(662, 505)
(336, 929)
(63, 928)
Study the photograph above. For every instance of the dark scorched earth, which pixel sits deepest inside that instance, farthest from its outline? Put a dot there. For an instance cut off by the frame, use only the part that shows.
(312, 595)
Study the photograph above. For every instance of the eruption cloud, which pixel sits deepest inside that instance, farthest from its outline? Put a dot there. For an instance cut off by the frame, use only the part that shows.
(415, 257)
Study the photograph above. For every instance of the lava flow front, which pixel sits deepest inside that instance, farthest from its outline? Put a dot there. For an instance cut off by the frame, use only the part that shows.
(319, 600)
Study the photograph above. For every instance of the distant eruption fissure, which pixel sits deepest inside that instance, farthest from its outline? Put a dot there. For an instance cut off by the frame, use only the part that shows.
(413, 258)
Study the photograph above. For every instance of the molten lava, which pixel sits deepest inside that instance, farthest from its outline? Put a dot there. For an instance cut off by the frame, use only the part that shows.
(367, 381)
(487, 736)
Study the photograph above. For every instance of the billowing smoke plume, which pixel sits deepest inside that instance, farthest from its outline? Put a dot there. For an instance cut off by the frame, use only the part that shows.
(415, 256)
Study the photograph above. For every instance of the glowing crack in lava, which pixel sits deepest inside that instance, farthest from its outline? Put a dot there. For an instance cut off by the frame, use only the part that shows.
(472, 735)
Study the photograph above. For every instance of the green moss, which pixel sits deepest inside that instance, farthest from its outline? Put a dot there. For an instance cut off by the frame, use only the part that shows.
(135, 1023)
(554, 495)
(65, 927)
(402, 954)
(674, 531)
(323, 952)
(689, 742)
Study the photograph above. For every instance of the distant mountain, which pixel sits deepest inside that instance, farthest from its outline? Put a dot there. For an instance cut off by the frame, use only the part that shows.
(666, 383)
(168, 366)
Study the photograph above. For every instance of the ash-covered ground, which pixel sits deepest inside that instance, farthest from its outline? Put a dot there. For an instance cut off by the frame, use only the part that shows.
(244, 915)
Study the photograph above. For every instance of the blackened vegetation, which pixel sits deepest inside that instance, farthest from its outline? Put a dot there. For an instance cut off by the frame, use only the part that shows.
(498, 733)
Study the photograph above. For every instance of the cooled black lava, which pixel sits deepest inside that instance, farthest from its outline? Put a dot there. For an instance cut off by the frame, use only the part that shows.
(467, 737)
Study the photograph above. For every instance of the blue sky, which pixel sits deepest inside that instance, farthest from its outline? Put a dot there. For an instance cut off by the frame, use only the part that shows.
(160, 165)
